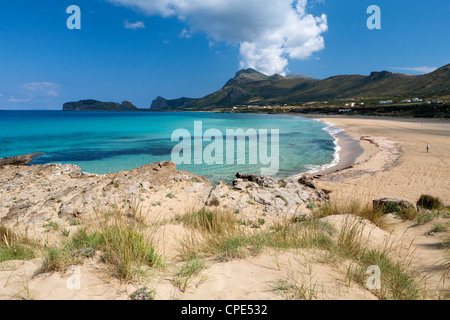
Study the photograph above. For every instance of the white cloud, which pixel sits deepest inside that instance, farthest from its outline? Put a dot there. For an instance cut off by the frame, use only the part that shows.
(46, 89)
(134, 26)
(185, 34)
(268, 32)
(1, 94)
(12, 99)
(37, 89)
(424, 69)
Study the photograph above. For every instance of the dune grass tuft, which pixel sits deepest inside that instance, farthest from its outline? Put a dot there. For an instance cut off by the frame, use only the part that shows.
(354, 207)
(14, 246)
(224, 239)
(117, 235)
(429, 202)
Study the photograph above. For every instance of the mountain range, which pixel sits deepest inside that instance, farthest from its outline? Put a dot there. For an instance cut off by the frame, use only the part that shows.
(250, 87)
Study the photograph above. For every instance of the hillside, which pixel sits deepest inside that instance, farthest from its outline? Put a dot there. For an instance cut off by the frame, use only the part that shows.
(252, 87)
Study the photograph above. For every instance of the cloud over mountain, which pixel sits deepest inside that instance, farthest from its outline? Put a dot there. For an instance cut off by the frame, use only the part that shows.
(423, 69)
(268, 32)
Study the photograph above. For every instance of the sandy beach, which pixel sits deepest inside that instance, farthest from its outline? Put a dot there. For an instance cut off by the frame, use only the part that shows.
(379, 157)
(394, 161)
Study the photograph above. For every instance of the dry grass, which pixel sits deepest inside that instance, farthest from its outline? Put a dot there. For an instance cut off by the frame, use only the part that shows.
(355, 207)
(14, 246)
(223, 240)
(398, 281)
(221, 236)
(121, 238)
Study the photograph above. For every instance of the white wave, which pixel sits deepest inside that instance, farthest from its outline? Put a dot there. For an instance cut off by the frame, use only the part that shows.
(331, 130)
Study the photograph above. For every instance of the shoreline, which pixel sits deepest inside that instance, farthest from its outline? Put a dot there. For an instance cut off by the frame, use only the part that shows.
(355, 147)
(347, 151)
(395, 162)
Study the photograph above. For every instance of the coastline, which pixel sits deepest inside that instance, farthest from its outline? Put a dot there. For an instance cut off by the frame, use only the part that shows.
(347, 151)
(376, 144)
(394, 162)
(165, 194)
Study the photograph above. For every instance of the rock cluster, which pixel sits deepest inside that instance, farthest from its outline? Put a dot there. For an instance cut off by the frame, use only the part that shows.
(35, 194)
(277, 197)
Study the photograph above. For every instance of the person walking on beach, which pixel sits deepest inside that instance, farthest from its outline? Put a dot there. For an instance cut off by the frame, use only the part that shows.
(428, 147)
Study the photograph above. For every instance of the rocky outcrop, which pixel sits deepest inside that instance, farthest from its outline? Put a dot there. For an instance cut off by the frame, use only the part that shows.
(389, 205)
(94, 105)
(308, 181)
(277, 197)
(36, 193)
(161, 104)
(18, 160)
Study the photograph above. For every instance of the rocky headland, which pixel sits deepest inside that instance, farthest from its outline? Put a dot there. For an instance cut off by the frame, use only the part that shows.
(94, 105)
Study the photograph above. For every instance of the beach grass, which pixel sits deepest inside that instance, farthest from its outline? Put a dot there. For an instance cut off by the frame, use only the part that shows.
(188, 271)
(14, 246)
(116, 236)
(354, 207)
(397, 281)
(222, 236)
(429, 202)
(222, 244)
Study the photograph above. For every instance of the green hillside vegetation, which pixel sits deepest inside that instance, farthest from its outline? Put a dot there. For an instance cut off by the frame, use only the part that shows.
(250, 87)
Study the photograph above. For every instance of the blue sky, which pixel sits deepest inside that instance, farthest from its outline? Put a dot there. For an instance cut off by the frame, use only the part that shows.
(140, 49)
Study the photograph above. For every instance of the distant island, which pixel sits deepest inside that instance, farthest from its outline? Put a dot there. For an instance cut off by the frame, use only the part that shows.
(94, 105)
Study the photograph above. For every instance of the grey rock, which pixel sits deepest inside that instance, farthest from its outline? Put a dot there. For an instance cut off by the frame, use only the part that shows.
(16, 211)
(308, 181)
(392, 204)
(244, 176)
(216, 194)
(267, 182)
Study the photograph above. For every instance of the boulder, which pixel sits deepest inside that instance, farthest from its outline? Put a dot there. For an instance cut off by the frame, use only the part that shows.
(267, 182)
(390, 205)
(308, 181)
(248, 177)
(216, 194)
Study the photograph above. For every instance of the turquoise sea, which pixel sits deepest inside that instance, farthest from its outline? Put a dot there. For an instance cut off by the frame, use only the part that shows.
(104, 142)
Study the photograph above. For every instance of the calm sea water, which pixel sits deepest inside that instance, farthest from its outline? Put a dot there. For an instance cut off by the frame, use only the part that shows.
(104, 142)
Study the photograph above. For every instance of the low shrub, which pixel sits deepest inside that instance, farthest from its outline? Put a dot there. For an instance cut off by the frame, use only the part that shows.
(429, 202)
